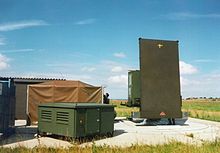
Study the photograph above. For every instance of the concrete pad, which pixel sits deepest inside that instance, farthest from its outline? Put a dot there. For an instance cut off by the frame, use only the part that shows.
(25, 136)
(193, 131)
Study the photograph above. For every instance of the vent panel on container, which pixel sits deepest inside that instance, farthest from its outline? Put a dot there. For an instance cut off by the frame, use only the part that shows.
(62, 117)
(46, 115)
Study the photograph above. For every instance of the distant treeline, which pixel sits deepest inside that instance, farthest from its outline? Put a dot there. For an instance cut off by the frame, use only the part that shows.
(203, 98)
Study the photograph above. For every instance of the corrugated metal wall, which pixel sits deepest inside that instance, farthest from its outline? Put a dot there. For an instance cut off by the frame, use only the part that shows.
(7, 107)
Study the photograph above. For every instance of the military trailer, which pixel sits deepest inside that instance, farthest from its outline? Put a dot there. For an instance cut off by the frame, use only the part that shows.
(7, 108)
(134, 88)
(76, 120)
(160, 80)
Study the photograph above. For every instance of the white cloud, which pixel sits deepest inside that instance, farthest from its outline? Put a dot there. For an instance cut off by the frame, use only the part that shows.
(117, 69)
(120, 55)
(2, 41)
(21, 25)
(116, 66)
(201, 85)
(88, 69)
(118, 79)
(86, 21)
(109, 63)
(59, 65)
(187, 68)
(214, 77)
(18, 50)
(80, 54)
(187, 81)
(189, 15)
(3, 62)
(184, 81)
(204, 61)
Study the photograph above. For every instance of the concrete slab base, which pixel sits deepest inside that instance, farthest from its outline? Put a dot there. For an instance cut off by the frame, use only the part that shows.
(193, 131)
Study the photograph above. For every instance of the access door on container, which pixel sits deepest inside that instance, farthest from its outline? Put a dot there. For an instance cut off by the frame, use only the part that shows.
(92, 121)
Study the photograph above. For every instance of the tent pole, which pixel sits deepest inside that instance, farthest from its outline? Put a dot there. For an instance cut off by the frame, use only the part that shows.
(102, 93)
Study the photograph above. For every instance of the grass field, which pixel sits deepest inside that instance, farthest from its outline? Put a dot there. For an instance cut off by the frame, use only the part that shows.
(203, 109)
(123, 111)
(173, 147)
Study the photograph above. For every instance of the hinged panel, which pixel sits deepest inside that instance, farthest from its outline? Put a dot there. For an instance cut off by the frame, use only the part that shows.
(92, 120)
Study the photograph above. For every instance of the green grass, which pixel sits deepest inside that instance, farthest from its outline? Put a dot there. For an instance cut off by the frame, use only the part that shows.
(203, 109)
(172, 147)
(123, 111)
(202, 105)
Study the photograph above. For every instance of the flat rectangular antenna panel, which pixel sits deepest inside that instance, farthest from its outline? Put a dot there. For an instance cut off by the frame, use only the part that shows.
(160, 80)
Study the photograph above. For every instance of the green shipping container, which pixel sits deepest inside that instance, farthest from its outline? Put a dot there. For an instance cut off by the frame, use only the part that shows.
(134, 88)
(76, 119)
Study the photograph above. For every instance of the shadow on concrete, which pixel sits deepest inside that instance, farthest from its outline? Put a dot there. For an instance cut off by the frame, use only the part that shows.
(22, 133)
(118, 132)
(118, 120)
(163, 121)
(182, 121)
(87, 138)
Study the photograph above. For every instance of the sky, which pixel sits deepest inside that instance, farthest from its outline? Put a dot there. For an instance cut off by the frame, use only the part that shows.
(96, 41)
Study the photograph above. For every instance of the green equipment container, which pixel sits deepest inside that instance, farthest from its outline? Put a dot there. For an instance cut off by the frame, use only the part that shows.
(76, 120)
(134, 88)
(7, 108)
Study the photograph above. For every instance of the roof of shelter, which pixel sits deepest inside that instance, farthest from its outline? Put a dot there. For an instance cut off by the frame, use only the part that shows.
(64, 83)
(27, 78)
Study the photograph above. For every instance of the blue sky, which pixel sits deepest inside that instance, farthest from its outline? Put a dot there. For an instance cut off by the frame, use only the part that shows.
(97, 41)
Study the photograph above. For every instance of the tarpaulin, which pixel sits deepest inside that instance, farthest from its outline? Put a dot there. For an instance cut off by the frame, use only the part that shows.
(60, 91)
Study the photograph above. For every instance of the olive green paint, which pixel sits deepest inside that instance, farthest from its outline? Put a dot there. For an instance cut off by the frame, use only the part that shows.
(76, 119)
(134, 88)
(160, 79)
